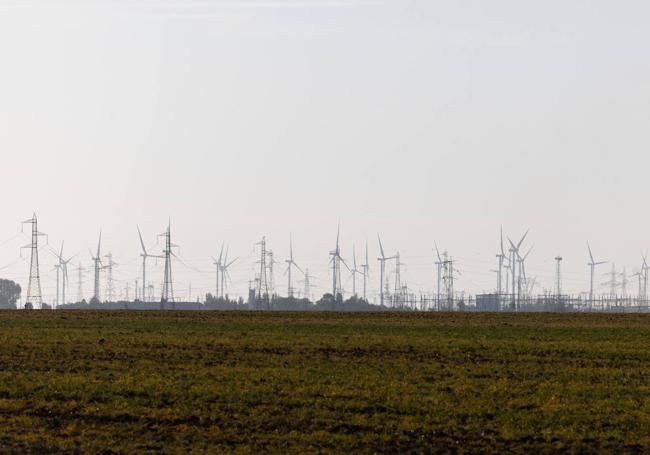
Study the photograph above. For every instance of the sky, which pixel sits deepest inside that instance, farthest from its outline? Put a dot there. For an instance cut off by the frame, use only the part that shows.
(418, 120)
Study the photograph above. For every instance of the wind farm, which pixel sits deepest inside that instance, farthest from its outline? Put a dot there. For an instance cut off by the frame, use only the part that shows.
(514, 289)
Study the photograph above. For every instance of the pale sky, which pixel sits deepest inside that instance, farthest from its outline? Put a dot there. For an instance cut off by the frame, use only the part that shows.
(421, 120)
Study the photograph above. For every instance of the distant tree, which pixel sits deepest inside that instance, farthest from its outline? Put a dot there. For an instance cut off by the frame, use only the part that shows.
(9, 294)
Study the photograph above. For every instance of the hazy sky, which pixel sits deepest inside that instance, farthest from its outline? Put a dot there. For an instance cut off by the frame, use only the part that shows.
(417, 119)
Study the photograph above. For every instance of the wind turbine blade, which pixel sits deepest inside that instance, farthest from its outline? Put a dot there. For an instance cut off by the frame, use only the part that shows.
(296, 266)
(99, 244)
(144, 250)
(220, 253)
(290, 248)
(526, 255)
(591, 256)
(522, 239)
(512, 244)
(338, 233)
(61, 253)
(345, 264)
(501, 232)
(381, 247)
(232, 262)
(366, 253)
(437, 251)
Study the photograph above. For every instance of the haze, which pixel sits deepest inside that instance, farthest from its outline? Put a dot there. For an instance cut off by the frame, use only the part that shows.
(419, 120)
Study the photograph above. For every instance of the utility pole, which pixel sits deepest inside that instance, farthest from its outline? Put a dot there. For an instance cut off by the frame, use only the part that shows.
(34, 295)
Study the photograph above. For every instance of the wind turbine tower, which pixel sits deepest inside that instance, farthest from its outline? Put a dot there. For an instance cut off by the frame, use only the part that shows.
(97, 259)
(514, 255)
(592, 270)
(217, 264)
(290, 264)
(355, 271)
(144, 255)
(34, 296)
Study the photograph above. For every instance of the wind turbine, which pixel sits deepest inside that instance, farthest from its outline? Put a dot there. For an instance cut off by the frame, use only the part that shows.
(514, 251)
(336, 267)
(354, 272)
(224, 273)
(62, 267)
(592, 269)
(522, 270)
(382, 270)
(291, 263)
(144, 256)
(366, 268)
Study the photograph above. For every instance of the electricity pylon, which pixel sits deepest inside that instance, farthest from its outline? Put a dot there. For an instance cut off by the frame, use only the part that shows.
(110, 285)
(34, 296)
(262, 281)
(168, 284)
(80, 271)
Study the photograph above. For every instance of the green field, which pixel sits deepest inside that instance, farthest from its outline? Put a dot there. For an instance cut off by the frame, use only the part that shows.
(309, 382)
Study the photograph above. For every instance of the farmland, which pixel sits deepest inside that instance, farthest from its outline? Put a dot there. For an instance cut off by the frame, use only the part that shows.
(306, 382)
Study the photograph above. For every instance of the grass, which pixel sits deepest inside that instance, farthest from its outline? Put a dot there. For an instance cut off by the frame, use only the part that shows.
(310, 382)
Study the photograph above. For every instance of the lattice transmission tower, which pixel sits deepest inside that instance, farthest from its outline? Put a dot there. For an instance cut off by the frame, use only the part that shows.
(34, 295)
